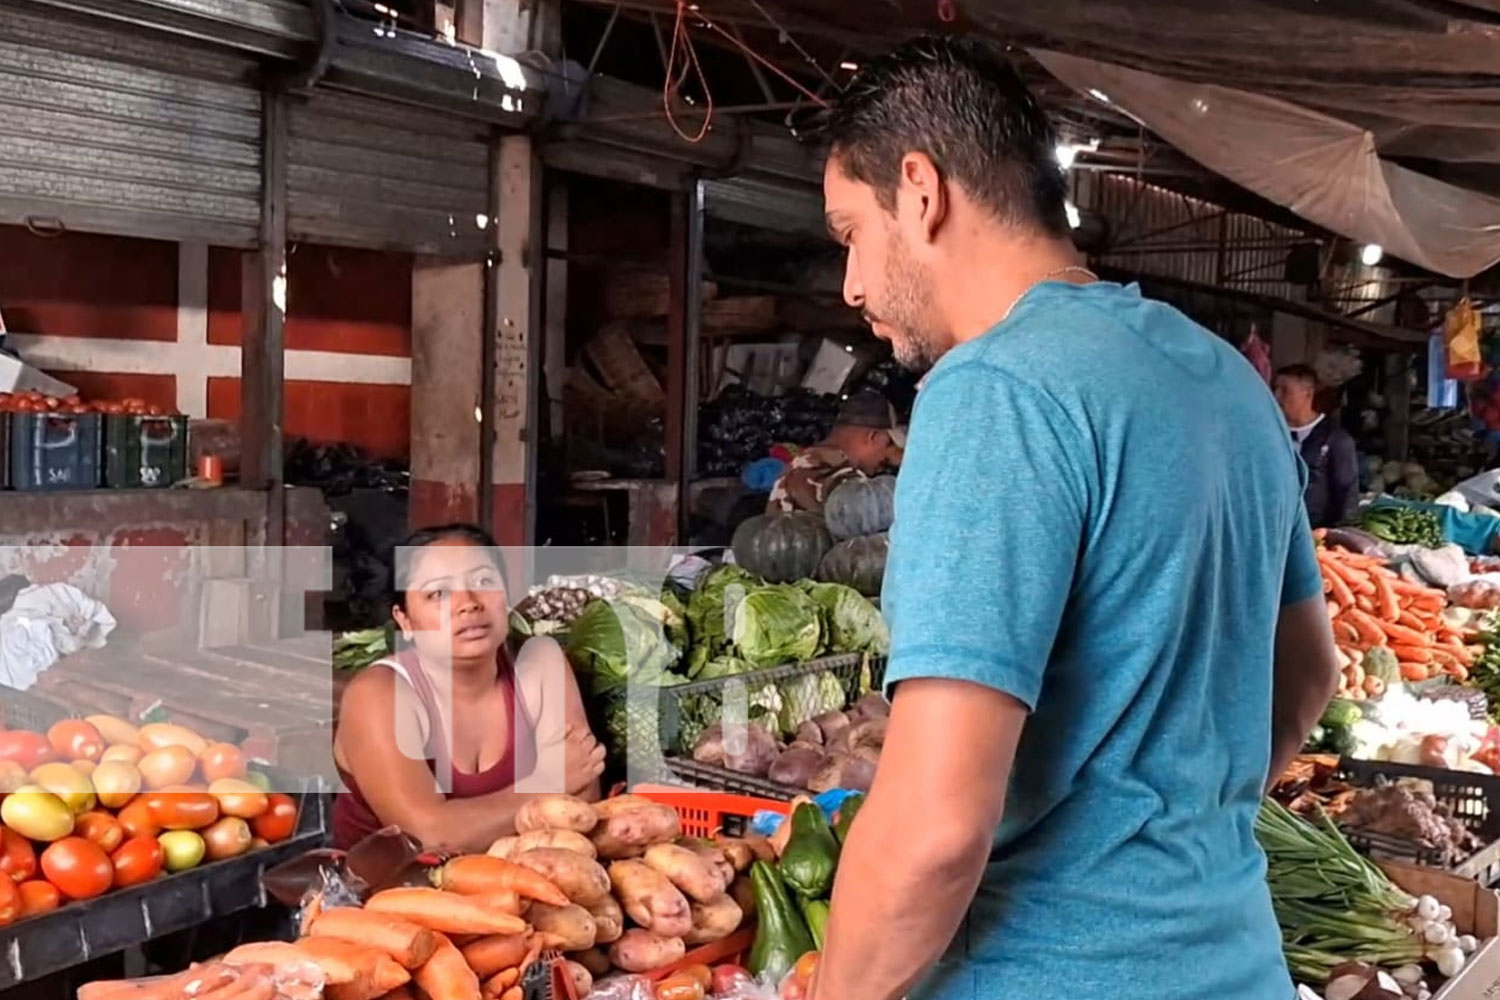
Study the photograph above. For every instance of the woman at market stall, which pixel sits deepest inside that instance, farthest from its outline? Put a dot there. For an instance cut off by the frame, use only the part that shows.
(436, 739)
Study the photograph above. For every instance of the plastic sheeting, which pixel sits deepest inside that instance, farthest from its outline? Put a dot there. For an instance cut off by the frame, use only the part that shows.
(1324, 169)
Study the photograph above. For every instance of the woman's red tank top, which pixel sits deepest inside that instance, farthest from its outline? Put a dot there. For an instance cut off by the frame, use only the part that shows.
(353, 819)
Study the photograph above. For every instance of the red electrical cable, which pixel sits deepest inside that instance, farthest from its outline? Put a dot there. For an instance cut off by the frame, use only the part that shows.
(671, 87)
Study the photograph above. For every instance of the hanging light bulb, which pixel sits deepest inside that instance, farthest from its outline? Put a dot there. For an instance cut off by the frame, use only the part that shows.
(1074, 218)
(1371, 254)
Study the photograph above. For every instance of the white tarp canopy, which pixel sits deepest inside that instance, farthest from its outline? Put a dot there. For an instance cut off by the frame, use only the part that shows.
(1324, 169)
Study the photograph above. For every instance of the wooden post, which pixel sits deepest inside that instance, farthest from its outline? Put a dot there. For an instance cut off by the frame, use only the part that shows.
(446, 335)
(685, 276)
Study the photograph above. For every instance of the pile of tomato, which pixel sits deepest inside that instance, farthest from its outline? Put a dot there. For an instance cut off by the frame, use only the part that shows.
(36, 402)
(98, 804)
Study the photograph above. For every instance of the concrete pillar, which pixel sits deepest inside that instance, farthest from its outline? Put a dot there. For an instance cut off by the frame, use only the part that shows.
(513, 458)
(447, 306)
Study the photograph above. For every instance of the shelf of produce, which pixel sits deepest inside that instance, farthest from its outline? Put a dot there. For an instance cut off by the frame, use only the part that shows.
(274, 700)
(1476, 911)
(1472, 799)
(126, 918)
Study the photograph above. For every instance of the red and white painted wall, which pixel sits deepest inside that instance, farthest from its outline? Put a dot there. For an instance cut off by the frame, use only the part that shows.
(122, 317)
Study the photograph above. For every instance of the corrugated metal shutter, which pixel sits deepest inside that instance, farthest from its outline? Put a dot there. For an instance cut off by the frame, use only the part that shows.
(105, 130)
(370, 173)
(767, 204)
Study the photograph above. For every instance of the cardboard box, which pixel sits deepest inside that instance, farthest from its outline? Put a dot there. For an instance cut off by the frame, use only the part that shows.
(1476, 911)
(17, 376)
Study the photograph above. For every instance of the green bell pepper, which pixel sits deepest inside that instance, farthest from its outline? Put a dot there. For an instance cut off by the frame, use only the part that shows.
(812, 854)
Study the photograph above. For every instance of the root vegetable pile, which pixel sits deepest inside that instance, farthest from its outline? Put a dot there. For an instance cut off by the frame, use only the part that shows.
(1387, 628)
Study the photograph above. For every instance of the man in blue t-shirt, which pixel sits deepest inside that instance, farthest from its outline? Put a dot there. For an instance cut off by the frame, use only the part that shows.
(1108, 624)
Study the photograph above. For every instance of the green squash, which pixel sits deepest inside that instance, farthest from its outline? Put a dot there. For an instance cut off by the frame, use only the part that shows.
(857, 563)
(859, 506)
(782, 548)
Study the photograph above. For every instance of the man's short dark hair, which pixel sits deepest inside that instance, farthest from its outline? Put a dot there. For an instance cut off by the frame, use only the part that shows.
(1302, 373)
(959, 100)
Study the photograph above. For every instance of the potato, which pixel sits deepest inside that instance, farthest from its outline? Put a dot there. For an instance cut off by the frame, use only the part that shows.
(620, 803)
(716, 859)
(741, 851)
(743, 893)
(504, 848)
(596, 960)
(609, 920)
(583, 979)
(556, 812)
(650, 899)
(642, 951)
(562, 840)
(628, 832)
(569, 928)
(715, 919)
(687, 871)
(580, 878)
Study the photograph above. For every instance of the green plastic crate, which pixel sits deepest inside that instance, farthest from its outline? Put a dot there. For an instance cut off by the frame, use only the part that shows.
(144, 452)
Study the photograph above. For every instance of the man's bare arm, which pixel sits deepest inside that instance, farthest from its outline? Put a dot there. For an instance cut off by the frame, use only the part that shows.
(903, 887)
(1307, 675)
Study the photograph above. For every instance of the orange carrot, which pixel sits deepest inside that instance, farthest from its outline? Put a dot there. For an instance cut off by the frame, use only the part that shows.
(1366, 603)
(1367, 628)
(501, 981)
(408, 943)
(1344, 632)
(447, 912)
(479, 874)
(1407, 620)
(365, 971)
(1412, 654)
(446, 976)
(1414, 672)
(1385, 598)
(1401, 635)
(1333, 609)
(1338, 589)
(1458, 672)
(490, 955)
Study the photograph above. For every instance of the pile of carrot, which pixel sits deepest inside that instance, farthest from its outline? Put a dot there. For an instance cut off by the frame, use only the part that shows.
(419, 941)
(1370, 605)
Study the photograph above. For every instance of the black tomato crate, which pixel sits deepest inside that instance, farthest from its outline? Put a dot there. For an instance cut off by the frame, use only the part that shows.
(144, 452)
(671, 719)
(1472, 799)
(54, 451)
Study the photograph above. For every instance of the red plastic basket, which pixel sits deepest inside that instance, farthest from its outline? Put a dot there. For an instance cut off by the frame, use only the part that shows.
(703, 813)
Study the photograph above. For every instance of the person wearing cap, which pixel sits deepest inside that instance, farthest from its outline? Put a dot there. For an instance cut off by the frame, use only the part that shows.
(865, 438)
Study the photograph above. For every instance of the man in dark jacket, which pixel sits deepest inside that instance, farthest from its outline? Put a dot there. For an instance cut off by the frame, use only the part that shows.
(1332, 462)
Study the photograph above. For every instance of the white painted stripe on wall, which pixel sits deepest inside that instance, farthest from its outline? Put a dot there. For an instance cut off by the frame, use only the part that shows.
(137, 357)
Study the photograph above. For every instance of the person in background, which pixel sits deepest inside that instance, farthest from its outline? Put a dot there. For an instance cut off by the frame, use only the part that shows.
(459, 701)
(1328, 450)
(1108, 625)
(866, 438)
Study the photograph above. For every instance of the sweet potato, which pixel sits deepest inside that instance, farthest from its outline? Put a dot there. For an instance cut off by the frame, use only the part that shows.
(447, 912)
(408, 943)
(446, 976)
(696, 877)
(583, 980)
(496, 985)
(581, 880)
(714, 920)
(642, 951)
(556, 812)
(562, 840)
(480, 874)
(490, 955)
(609, 920)
(650, 899)
(566, 928)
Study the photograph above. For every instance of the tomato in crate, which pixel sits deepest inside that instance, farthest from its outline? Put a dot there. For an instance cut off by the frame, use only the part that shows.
(54, 451)
(144, 451)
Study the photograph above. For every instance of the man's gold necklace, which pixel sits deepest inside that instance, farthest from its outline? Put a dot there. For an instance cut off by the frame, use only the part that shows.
(1070, 269)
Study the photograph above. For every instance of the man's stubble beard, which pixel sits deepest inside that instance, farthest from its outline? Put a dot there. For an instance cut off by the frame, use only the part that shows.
(910, 310)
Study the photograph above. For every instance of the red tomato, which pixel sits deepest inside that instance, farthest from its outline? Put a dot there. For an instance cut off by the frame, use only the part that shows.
(136, 819)
(10, 902)
(38, 897)
(279, 821)
(26, 749)
(74, 739)
(729, 979)
(101, 828)
(17, 857)
(138, 860)
(78, 868)
(221, 760)
(176, 808)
